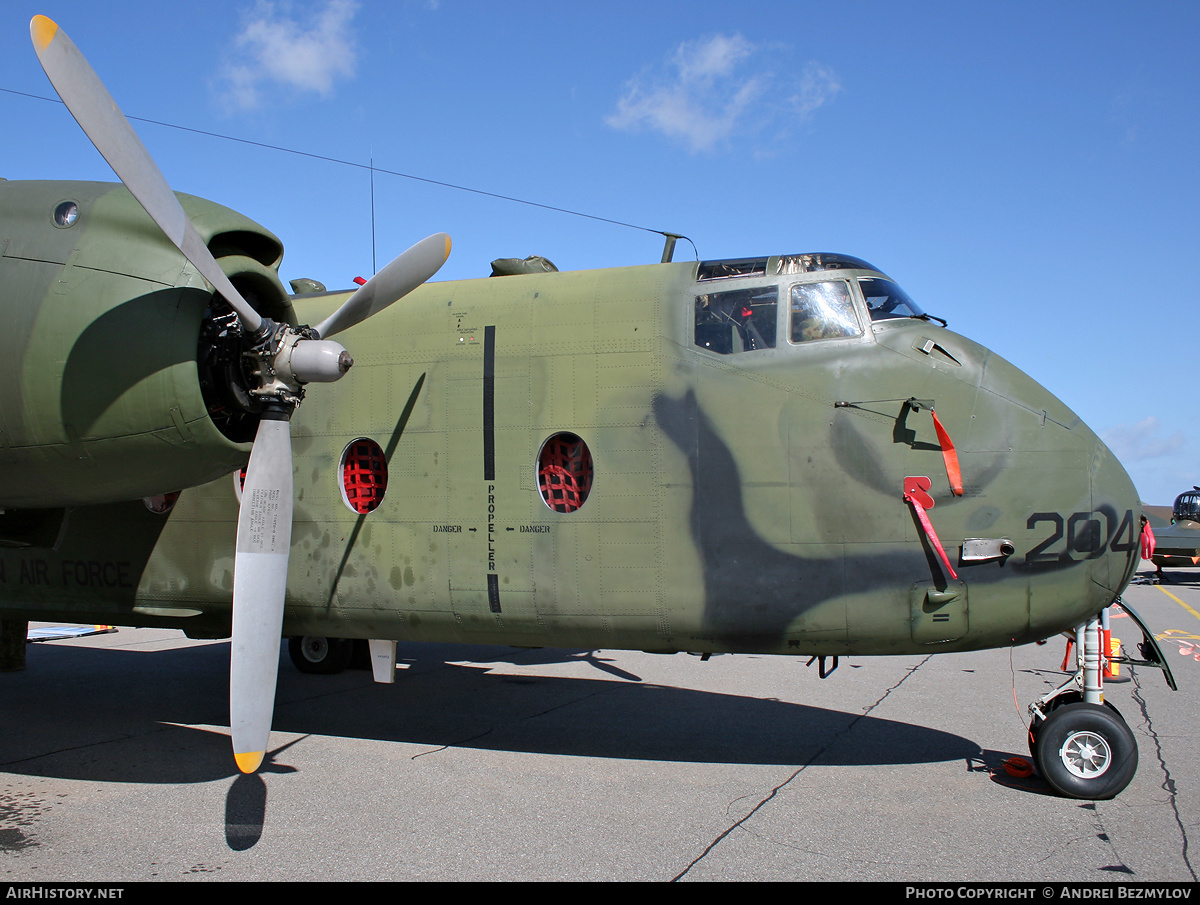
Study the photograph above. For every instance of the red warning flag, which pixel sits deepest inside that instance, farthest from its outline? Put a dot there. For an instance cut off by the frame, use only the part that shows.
(949, 455)
(1148, 541)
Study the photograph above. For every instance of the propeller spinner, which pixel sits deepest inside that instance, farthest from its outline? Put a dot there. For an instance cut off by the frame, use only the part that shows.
(286, 359)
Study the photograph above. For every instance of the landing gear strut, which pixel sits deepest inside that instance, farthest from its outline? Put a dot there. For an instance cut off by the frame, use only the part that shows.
(1080, 743)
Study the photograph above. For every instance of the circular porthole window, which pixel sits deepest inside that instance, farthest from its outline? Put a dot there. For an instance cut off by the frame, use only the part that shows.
(66, 214)
(565, 472)
(364, 475)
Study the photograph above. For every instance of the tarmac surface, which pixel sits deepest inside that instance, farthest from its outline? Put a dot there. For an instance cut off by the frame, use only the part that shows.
(490, 763)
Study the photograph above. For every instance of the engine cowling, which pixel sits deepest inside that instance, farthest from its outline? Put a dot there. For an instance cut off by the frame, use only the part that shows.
(116, 381)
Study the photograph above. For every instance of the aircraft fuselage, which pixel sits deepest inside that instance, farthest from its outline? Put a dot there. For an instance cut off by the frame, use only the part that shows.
(745, 489)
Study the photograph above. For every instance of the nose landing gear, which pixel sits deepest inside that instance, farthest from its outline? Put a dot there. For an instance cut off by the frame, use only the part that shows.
(1080, 743)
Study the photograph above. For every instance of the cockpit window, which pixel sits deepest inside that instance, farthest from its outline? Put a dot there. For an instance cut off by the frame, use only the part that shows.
(823, 311)
(885, 299)
(1187, 507)
(741, 320)
(724, 270)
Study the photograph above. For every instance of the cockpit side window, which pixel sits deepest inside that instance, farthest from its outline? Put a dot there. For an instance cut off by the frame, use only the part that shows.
(886, 300)
(823, 311)
(740, 320)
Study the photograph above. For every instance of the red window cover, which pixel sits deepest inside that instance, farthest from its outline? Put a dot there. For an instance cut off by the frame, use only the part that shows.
(364, 475)
(565, 472)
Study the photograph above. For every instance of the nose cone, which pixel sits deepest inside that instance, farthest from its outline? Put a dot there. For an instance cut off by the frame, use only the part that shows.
(1078, 517)
(1083, 557)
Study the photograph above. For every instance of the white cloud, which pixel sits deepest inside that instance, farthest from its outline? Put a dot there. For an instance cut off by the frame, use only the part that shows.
(1133, 443)
(274, 48)
(700, 62)
(819, 85)
(714, 89)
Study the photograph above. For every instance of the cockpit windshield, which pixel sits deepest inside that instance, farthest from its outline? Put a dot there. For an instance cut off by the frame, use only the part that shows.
(885, 299)
(823, 310)
(823, 306)
(1187, 507)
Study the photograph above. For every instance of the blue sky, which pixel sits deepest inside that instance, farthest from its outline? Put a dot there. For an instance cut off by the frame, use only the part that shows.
(1020, 168)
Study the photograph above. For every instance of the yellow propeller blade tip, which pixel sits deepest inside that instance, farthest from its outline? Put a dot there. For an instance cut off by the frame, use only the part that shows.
(249, 761)
(447, 246)
(42, 30)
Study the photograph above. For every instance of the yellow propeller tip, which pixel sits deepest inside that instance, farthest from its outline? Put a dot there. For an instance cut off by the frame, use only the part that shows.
(249, 761)
(42, 30)
(447, 246)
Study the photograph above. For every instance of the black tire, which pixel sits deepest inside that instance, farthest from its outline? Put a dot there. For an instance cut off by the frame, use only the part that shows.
(321, 656)
(1086, 751)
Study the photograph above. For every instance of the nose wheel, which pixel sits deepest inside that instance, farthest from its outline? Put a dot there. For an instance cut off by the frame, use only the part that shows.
(1084, 750)
(1081, 745)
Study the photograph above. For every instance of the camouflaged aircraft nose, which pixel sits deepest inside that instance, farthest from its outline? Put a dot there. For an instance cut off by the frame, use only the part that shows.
(1078, 544)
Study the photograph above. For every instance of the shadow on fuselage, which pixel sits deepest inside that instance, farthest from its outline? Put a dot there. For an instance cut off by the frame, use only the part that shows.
(753, 590)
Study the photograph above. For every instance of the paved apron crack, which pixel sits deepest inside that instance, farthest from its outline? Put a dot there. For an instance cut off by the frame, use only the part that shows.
(775, 791)
(1168, 783)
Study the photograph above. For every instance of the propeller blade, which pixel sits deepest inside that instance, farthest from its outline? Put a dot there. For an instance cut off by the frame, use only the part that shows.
(259, 584)
(405, 273)
(104, 123)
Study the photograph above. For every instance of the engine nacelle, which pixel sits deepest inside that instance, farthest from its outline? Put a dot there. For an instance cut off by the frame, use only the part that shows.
(109, 340)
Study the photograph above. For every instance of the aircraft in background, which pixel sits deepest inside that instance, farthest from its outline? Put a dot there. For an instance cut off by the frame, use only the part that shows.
(1177, 543)
(780, 454)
